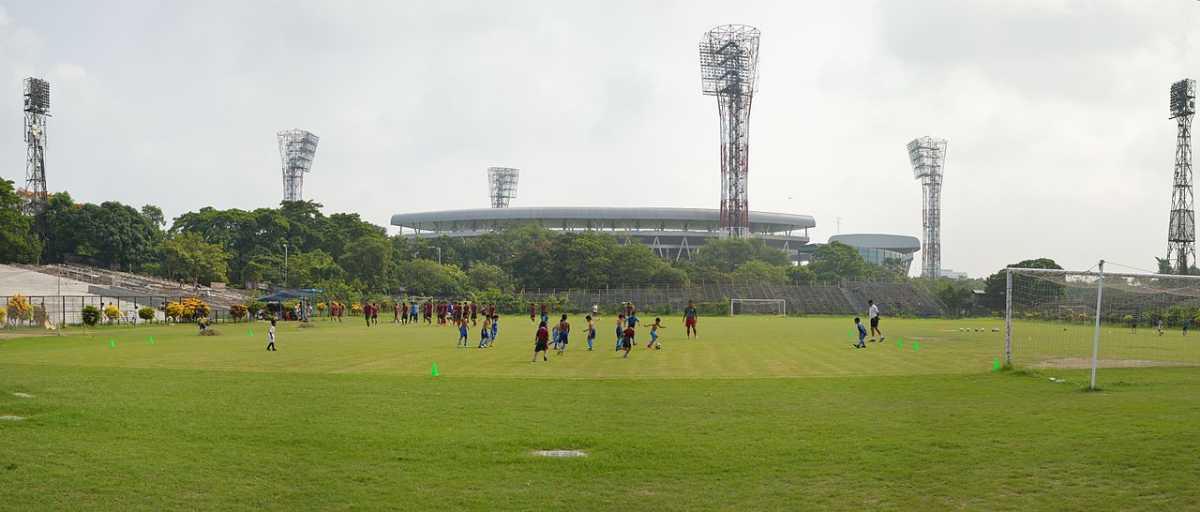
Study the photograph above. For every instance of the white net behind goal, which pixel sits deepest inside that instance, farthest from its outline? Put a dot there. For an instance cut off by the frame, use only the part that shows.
(1145, 319)
(757, 307)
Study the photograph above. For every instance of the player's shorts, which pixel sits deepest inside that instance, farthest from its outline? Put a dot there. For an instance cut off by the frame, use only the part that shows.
(875, 322)
(540, 346)
(626, 342)
(562, 338)
(690, 322)
(653, 336)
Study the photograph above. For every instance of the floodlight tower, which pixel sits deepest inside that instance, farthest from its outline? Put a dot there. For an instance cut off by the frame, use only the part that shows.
(927, 156)
(37, 109)
(502, 185)
(297, 149)
(1181, 234)
(729, 71)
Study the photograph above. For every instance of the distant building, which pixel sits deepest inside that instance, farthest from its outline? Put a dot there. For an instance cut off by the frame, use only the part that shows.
(892, 251)
(672, 233)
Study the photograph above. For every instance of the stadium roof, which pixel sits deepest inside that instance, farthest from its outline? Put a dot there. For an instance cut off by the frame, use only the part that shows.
(684, 219)
(899, 243)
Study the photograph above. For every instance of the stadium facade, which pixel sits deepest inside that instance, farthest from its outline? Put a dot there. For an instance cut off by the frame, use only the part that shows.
(672, 233)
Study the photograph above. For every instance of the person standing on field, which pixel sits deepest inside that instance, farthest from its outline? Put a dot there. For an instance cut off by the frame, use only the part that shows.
(541, 342)
(271, 337)
(689, 319)
(873, 314)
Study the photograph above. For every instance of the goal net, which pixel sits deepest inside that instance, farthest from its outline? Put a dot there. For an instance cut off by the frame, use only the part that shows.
(1058, 319)
(757, 307)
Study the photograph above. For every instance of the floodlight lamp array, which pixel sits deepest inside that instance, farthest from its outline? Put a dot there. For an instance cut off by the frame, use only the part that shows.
(297, 149)
(502, 185)
(729, 60)
(1183, 98)
(927, 155)
(37, 95)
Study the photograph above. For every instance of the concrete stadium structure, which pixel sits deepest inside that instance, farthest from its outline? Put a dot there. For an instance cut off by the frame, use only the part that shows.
(672, 233)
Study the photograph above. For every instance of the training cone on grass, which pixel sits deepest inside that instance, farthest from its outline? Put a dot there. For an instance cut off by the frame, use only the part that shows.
(916, 346)
(900, 342)
(996, 364)
(435, 370)
(112, 343)
(151, 340)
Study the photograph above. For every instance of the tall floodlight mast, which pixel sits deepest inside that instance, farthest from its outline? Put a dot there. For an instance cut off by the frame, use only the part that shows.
(928, 155)
(1181, 234)
(37, 109)
(297, 149)
(729, 71)
(502, 185)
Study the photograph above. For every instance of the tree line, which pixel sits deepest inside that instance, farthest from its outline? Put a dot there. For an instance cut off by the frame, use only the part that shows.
(346, 255)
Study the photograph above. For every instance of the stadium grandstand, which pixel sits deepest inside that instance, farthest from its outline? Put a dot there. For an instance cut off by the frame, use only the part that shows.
(672, 233)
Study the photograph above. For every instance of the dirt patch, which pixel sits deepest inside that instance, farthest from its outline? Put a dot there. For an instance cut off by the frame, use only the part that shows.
(22, 395)
(1076, 363)
(11, 418)
(560, 453)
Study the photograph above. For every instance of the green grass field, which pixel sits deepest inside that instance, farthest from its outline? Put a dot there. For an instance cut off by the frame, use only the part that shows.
(758, 414)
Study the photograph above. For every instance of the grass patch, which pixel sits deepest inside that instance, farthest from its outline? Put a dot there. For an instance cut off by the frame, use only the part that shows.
(759, 414)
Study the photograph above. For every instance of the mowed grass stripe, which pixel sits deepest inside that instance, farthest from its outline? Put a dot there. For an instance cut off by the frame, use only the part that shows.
(728, 348)
(144, 439)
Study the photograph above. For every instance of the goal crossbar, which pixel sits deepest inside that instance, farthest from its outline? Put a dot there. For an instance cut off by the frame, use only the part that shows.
(781, 302)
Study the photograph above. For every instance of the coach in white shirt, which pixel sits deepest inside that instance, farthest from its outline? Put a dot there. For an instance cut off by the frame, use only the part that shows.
(873, 314)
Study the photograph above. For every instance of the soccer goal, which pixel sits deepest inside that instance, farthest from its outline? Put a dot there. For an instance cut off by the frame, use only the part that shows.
(757, 307)
(1065, 319)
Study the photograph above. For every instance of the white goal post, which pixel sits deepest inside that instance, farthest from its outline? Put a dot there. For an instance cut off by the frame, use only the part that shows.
(757, 307)
(1066, 319)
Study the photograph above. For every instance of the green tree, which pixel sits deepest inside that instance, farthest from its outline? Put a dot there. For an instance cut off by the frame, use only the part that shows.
(427, 277)
(757, 271)
(108, 234)
(727, 255)
(485, 276)
(995, 286)
(154, 214)
(368, 259)
(18, 242)
(801, 274)
(188, 256)
(836, 261)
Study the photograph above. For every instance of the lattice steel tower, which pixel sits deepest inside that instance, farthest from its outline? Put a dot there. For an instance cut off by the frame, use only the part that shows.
(502, 185)
(729, 71)
(37, 109)
(297, 149)
(1181, 234)
(928, 155)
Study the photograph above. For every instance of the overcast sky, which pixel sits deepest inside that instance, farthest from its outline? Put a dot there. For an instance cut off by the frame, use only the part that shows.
(1055, 112)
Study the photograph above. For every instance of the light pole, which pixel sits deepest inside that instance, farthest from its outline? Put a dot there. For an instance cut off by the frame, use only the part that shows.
(285, 255)
(439, 250)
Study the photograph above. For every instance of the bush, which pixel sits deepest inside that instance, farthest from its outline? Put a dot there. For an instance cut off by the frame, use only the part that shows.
(91, 315)
(173, 310)
(146, 313)
(112, 312)
(18, 308)
(254, 307)
(237, 311)
(194, 308)
(3, 315)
